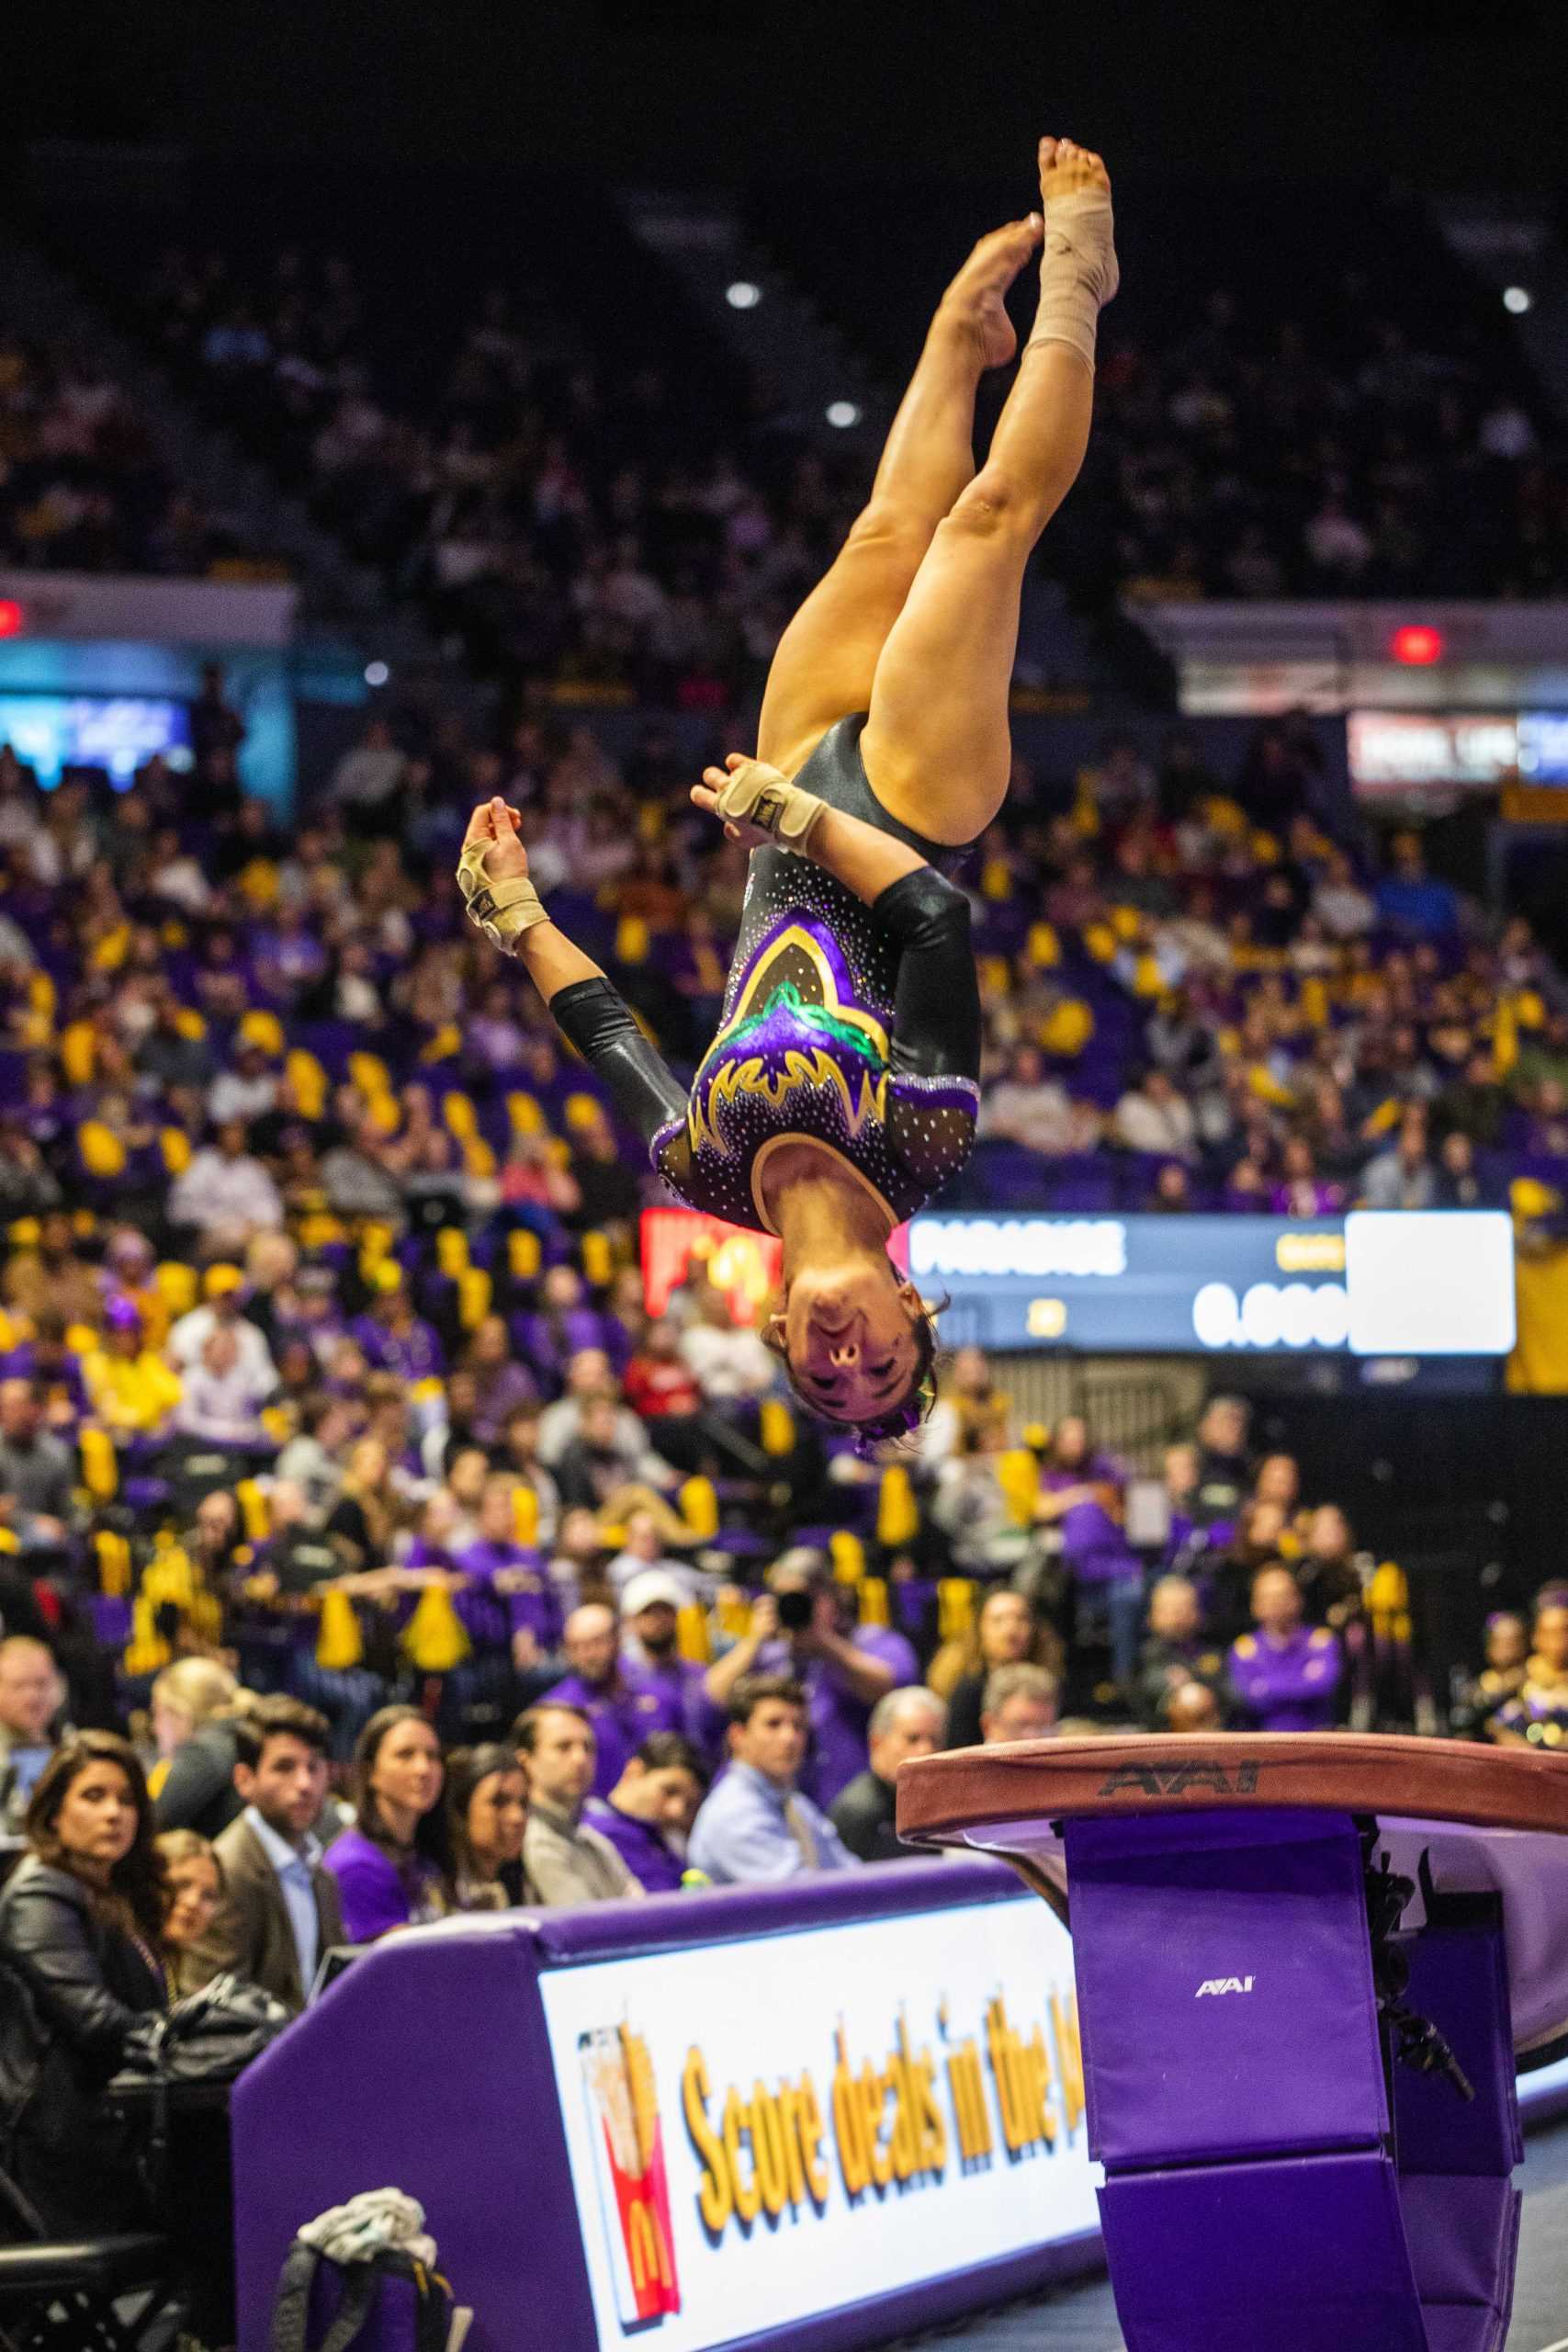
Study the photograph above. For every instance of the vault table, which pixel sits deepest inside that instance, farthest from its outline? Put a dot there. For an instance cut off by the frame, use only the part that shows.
(1305, 1968)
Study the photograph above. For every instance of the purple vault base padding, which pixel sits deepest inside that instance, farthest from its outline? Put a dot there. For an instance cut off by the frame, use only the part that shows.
(1235, 2070)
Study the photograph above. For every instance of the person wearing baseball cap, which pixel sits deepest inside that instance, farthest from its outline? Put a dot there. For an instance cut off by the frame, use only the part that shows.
(650, 1606)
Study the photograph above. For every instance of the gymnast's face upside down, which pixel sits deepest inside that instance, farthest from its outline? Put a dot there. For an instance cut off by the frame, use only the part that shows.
(857, 1343)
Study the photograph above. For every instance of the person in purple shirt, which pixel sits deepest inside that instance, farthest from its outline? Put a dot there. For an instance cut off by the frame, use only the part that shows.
(621, 1709)
(1286, 1675)
(509, 1598)
(396, 1340)
(649, 1814)
(650, 1603)
(387, 1867)
(804, 1627)
(1081, 1494)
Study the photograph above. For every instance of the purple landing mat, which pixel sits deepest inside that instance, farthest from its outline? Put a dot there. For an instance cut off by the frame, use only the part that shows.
(1225, 1986)
(1297, 2255)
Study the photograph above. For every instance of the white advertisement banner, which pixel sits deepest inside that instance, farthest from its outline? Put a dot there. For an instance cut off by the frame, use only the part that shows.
(762, 2132)
(148, 611)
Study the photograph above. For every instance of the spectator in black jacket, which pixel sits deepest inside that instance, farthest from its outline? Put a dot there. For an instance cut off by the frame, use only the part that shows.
(911, 1722)
(80, 1921)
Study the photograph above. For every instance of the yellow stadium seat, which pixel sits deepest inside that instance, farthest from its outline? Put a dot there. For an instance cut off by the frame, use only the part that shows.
(1018, 1474)
(524, 1114)
(581, 1110)
(955, 1607)
(1067, 1027)
(452, 1250)
(369, 1073)
(459, 1114)
(103, 1154)
(100, 1465)
(848, 1555)
(176, 1286)
(596, 1264)
(525, 1514)
(307, 1082)
(873, 1602)
(255, 1509)
(524, 1255)
(113, 1554)
(693, 1638)
(1043, 948)
(444, 1045)
(265, 1030)
(699, 1509)
(174, 1144)
(897, 1519)
(78, 1052)
(996, 879)
(632, 941)
(777, 1427)
(475, 1292)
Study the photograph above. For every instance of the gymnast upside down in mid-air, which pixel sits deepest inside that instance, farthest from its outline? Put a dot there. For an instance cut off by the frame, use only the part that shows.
(842, 1089)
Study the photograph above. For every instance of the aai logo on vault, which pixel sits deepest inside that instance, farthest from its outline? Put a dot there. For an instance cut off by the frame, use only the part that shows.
(1218, 1985)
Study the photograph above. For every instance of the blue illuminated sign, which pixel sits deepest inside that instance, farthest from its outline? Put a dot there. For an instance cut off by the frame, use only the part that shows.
(51, 732)
(1419, 1285)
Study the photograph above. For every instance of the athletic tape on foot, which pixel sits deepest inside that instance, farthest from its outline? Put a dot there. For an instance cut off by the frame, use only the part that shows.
(504, 909)
(1078, 271)
(758, 795)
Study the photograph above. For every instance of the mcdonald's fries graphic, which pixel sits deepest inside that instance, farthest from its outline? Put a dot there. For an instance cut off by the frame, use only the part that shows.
(629, 2161)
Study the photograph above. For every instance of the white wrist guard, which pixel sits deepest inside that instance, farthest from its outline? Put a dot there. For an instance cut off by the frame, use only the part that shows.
(758, 795)
(504, 909)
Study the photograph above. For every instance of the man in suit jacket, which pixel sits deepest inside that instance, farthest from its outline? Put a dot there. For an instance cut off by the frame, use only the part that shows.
(280, 1908)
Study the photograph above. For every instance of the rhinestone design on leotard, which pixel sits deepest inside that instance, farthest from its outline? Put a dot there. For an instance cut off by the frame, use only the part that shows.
(803, 1050)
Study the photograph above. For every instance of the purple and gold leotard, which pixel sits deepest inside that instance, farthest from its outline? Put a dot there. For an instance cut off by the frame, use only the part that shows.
(851, 1025)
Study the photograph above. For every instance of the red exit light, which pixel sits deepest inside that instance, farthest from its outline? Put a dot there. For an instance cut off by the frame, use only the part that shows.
(13, 620)
(1417, 646)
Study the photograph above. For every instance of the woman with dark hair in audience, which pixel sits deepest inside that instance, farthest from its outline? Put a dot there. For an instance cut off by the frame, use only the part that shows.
(81, 1927)
(392, 1866)
(487, 1813)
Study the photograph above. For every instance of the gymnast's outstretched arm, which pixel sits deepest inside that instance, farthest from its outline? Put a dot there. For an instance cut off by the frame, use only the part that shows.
(936, 1011)
(587, 1008)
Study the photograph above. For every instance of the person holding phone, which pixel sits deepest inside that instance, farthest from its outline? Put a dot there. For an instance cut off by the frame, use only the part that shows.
(803, 1626)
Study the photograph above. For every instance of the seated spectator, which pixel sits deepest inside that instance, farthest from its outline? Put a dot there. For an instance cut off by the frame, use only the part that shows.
(1152, 1117)
(1286, 1675)
(1006, 1633)
(1329, 1569)
(568, 1860)
(1081, 1495)
(659, 1383)
(598, 1464)
(36, 1471)
(225, 1194)
(81, 1923)
(194, 1731)
(222, 1309)
(1019, 1704)
(1537, 1715)
(389, 1867)
(649, 1814)
(911, 1722)
(729, 1360)
(644, 1551)
(650, 1606)
(281, 1910)
(755, 1827)
(1034, 1110)
(193, 1889)
(221, 1403)
(1224, 1468)
(1403, 1177)
(132, 1391)
(1175, 1653)
(803, 1630)
(487, 1816)
(311, 1459)
(501, 1384)
(618, 1707)
(32, 1696)
(1506, 1653)
(969, 1403)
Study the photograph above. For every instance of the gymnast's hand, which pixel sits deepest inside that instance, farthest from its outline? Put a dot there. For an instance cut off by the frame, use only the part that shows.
(758, 804)
(496, 830)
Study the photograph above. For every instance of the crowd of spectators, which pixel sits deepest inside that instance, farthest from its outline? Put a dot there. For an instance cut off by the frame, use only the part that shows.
(1326, 453)
(82, 485)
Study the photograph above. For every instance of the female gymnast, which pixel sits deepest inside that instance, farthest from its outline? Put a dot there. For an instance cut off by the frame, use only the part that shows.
(842, 1089)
